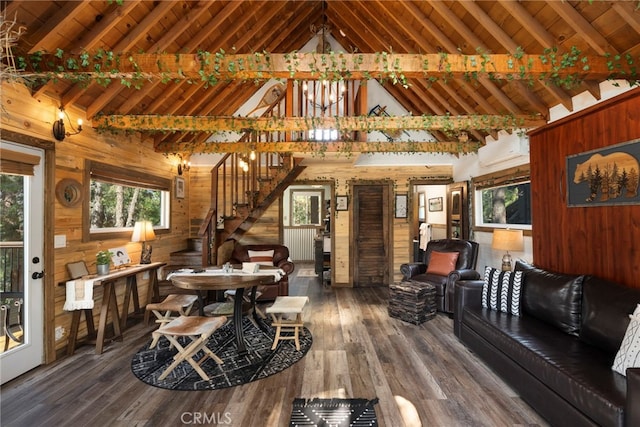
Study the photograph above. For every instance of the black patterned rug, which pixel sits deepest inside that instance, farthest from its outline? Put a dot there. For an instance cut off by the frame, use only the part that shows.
(333, 412)
(259, 362)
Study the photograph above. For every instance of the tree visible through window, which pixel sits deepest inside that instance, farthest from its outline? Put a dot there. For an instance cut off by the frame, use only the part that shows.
(119, 206)
(119, 197)
(305, 208)
(509, 204)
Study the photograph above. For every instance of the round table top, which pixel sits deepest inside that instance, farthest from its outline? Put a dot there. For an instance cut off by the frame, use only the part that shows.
(220, 281)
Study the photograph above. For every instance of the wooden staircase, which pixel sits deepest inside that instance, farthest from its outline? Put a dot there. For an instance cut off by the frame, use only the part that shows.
(190, 256)
(239, 198)
(270, 190)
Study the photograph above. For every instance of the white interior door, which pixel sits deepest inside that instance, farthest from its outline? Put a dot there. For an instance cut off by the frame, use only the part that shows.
(29, 353)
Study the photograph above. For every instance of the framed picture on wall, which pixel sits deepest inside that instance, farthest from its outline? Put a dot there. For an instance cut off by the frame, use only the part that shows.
(435, 204)
(401, 205)
(342, 203)
(605, 176)
(179, 188)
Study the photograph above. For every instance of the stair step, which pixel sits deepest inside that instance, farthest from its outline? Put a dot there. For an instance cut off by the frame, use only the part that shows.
(194, 244)
(186, 257)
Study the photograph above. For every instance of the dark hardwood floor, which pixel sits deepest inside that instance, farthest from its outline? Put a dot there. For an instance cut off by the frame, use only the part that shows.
(421, 374)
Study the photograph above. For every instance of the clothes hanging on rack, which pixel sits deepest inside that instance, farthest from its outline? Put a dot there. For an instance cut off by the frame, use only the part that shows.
(425, 235)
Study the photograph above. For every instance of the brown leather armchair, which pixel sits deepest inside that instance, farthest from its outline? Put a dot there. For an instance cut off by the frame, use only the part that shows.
(464, 269)
(281, 259)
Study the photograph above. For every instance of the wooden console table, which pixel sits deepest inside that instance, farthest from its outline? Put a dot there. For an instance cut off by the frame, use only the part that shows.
(109, 303)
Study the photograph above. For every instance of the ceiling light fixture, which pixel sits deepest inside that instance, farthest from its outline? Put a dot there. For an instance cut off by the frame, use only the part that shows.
(323, 93)
(59, 131)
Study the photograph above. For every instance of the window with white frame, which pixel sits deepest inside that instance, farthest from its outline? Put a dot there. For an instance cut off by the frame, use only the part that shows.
(306, 208)
(503, 201)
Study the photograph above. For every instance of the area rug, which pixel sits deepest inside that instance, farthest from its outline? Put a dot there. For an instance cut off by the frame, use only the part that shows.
(333, 412)
(259, 362)
(307, 272)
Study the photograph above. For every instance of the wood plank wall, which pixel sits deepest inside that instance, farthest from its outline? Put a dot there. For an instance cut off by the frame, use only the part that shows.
(34, 117)
(598, 240)
(342, 172)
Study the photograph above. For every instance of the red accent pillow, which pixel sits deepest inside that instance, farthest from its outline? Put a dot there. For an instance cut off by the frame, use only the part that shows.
(442, 263)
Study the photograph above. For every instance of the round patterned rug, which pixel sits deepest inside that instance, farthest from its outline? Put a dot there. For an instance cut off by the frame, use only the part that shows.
(259, 362)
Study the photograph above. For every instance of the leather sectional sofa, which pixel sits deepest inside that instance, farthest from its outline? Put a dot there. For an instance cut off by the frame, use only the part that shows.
(558, 354)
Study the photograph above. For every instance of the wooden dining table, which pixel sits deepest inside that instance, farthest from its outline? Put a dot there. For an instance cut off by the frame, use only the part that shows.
(216, 280)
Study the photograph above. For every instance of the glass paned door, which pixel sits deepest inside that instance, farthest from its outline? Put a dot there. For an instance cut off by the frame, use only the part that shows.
(21, 268)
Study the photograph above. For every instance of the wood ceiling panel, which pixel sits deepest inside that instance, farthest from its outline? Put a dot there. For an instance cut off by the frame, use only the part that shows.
(369, 25)
(549, 20)
(429, 13)
(619, 35)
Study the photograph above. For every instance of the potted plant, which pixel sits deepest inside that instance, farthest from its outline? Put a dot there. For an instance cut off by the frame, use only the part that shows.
(103, 261)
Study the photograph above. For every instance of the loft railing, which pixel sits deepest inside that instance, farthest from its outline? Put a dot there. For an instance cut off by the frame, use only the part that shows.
(11, 266)
(236, 192)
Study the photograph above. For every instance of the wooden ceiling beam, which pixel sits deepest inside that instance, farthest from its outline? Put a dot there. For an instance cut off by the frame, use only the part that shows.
(125, 44)
(507, 42)
(320, 147)
(449, 16)
(359, 66)
(576, 21)
(91, 39)
(468, 35)
(626, 11)
(297, 124)
(46, 37)
(228, 91)
(424, 44)
(543, 37)
(161, 45)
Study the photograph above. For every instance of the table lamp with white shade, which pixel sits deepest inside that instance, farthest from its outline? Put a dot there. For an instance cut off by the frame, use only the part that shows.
(507, 240)
(143, 232)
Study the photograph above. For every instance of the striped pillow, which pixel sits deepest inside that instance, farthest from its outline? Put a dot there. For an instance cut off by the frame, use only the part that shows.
(502, 290)
(261, 257)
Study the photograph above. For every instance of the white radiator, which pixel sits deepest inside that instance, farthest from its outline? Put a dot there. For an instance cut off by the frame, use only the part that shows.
(300, 243)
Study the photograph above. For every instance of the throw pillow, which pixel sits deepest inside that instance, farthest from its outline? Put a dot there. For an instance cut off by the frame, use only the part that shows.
(261, 257)
(628, 355)
(442, 263)
(501, 290)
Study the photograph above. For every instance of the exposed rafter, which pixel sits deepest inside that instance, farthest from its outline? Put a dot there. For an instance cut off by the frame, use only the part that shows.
(383, 65)
(547, 53)
(146, 123)
(320, 147)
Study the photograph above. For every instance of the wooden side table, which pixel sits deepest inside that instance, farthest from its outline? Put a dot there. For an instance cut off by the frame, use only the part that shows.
(109, 304)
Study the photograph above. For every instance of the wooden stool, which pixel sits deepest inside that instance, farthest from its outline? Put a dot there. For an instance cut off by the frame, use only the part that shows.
(175, 303)
(198, 329)
(179, 303)
(282, 307)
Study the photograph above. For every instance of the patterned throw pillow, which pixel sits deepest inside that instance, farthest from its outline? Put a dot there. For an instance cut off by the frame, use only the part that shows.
(628, 355)
(261, 257)
(502, 290)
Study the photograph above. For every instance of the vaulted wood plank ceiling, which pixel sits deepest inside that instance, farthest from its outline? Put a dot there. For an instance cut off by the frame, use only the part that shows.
(244, 27)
